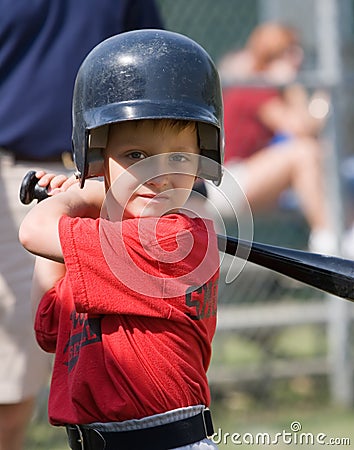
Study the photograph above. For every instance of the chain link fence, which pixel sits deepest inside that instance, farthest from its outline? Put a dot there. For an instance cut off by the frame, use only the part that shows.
(278, 341)
(218, 26)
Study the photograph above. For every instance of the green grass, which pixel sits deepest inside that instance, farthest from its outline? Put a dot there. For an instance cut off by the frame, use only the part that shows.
(236, 348)
(42, 436)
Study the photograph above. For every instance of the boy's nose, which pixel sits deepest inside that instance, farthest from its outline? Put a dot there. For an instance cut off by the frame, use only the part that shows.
(159, 181)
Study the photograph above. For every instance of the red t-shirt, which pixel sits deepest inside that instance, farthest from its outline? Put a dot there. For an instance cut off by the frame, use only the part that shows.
(245, 134)
(120, 353)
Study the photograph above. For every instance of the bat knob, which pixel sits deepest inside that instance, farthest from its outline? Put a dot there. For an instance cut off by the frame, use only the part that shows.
(30, 190)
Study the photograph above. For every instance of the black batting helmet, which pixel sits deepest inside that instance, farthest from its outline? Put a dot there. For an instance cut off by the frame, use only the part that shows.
(146, 74)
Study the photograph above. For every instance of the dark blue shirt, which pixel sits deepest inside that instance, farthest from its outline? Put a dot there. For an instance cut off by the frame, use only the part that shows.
(42, 44)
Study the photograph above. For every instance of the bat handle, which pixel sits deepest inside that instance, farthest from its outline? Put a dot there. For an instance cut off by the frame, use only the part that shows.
(30, 189)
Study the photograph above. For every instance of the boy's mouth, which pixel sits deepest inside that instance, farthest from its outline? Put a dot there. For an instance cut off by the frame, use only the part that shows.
(154, 197)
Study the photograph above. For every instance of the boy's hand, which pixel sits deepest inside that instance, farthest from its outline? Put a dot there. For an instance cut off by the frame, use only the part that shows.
(55, 183)
(39, 230)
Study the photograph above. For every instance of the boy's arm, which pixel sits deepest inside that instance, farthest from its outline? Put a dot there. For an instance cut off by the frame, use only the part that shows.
(46, 273)
(39, 231)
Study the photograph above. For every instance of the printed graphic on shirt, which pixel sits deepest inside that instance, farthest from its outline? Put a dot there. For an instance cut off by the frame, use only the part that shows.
(85, 331)
(203, 299)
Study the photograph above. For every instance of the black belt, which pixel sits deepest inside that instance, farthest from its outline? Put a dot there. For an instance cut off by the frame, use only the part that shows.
(162, 437)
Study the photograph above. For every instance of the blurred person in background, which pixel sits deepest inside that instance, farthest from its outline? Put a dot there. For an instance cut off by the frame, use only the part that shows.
(272, 128)
(42, 45)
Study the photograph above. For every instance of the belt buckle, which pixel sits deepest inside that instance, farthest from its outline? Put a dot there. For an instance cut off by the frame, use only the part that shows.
(207, 422)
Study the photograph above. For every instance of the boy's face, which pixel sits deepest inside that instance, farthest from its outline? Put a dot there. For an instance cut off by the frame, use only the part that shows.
(168, 163)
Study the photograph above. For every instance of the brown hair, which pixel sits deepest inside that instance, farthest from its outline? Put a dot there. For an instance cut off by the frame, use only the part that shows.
(178, 124)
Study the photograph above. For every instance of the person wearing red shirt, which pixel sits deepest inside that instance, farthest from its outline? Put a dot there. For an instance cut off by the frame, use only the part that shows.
(246, 132)
(271, 134)
(125, 281)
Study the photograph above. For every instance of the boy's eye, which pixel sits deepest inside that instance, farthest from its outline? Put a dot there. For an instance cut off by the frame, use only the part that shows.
(136, 155)
(178, 157)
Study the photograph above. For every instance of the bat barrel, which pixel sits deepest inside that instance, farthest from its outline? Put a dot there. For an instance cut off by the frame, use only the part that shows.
(327, 273)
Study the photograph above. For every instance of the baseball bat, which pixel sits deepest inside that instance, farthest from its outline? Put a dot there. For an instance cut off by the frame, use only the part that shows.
(328, 273)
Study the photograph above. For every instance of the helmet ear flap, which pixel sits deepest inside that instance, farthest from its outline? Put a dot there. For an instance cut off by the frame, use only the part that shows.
(97, 142)
(98, 137)
(208, 137)
(209, 144)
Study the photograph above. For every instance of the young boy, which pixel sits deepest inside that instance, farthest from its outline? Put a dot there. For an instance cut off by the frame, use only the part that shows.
(125, 282)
